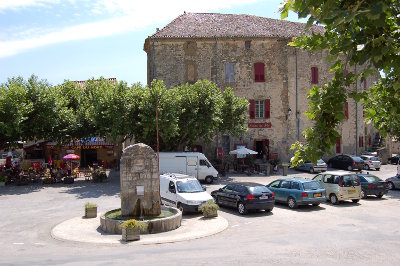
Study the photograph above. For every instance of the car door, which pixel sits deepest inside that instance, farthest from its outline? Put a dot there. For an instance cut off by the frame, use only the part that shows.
(223, 195)
(284, 190)
(335, 161)
(274, 187)
(396, 181)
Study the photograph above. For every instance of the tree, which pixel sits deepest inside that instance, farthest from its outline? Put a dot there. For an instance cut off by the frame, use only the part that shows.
(357, 33)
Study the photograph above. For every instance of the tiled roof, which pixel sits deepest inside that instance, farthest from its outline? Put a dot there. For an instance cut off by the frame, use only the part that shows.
(211, 25)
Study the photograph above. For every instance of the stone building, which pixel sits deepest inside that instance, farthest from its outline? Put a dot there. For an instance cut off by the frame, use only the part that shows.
(251, 55)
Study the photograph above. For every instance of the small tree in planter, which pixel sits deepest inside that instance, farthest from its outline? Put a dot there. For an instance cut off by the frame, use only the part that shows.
(209, 209)
(2, 180)
(131, 229)
(90, 210)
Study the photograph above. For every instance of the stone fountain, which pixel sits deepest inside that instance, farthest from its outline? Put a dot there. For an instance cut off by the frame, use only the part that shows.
(140, 193)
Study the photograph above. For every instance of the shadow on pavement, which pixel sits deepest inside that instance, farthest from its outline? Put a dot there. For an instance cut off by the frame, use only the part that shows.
(250, 214)
(300, 208)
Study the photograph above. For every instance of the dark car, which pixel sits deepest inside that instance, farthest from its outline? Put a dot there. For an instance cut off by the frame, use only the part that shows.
(346, 162)
(372, 185)
(394, 159)
(245, 196)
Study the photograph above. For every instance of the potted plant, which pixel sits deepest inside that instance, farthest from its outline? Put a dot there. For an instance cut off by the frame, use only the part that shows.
(90, 210)
(131, 229)
(209, 209)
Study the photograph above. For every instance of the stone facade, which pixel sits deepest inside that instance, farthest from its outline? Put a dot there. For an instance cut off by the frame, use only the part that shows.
(140, 183)
(282, 89)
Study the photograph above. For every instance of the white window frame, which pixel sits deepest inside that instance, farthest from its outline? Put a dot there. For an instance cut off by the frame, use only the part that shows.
(259, 109)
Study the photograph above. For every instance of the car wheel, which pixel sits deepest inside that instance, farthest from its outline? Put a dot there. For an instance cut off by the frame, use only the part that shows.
(315, 204)
(363, 195)
(355, 200)
(269, 210)
(312, 170)
(179, 206)
(390, 185)
(291, 202)
(241, 208)
(209, 179)
(377, 169)
(380, 195)
(366, 166)
(350, 168)
(333, 199)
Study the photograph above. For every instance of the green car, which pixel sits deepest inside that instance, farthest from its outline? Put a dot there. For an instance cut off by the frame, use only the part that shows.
(297, 191)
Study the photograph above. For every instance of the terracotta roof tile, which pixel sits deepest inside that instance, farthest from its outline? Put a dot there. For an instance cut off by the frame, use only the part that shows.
(211, 25)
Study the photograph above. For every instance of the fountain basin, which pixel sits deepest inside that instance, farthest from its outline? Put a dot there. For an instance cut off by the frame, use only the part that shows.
(154, 225)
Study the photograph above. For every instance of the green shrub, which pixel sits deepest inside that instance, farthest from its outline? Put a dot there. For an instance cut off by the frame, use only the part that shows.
(2, 178)
(133, 224)
(90, 205)
(208, 208)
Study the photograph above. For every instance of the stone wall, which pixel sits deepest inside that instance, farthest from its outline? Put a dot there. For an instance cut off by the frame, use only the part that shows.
(173, 59)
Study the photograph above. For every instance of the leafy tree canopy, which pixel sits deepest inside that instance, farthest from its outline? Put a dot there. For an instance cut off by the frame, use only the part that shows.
(358, 33)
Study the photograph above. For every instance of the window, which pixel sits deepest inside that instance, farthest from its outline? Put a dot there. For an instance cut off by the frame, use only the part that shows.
(229, 72)
(328, 179)
(295, 185)
(259, 72)
(247, 45)
(346, 110)
(314, 75)
(338, 149)
(275, 184)
(229, 187)
(259, 109)
(285, 184)
(360, 141)
(204, 163)
(318, 178)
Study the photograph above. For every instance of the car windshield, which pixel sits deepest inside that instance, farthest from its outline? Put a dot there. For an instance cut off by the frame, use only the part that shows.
(372, 178)
(189, 186)
(313, 185)
(320, 161)
(258, 189)
(374, 159)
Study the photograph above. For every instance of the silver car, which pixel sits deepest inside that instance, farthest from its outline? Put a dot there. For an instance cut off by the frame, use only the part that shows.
(393, 182)
(371, 162)
(312, 168)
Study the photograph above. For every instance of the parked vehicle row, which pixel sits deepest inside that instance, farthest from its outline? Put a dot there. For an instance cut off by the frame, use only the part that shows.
(335, 186)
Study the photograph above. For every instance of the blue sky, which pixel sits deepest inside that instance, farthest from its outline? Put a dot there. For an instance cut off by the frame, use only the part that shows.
(77, 40)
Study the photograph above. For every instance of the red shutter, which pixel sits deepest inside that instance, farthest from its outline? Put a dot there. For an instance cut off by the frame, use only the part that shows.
(259, 72)
(252, 109)
(267, 148)
(267, 108)
(346, 110)
(338, 145)
(314, 75)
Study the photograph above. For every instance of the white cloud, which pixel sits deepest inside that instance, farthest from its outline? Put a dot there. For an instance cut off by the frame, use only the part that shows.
(16, 4)
(135, 15)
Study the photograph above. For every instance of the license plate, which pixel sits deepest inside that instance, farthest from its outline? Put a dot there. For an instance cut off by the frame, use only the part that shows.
(317, 195)
(264, 197)
(352, 191)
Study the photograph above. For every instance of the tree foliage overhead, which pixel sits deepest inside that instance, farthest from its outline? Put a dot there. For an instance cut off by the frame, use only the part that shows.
(34, 109)
(357, 33)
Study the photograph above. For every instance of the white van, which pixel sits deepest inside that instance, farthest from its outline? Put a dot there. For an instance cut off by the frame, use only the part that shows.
(183, 192)
(190, 163)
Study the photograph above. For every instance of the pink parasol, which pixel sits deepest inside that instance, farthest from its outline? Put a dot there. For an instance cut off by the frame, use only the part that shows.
(71, 157)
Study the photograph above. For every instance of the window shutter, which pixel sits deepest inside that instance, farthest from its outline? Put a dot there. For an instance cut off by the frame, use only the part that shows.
(267, 108)
(259, 72)
(314, 75)
(252, 109)
(346, 110)
(369, 140)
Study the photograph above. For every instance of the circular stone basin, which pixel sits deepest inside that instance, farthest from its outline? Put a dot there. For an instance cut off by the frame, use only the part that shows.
(154, 225)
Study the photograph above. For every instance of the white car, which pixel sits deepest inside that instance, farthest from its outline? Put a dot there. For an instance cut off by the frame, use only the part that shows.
(371, 162)
(312, 168)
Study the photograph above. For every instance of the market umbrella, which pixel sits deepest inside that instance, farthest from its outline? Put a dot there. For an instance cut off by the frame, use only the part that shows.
(71, 157)
(243, 151)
